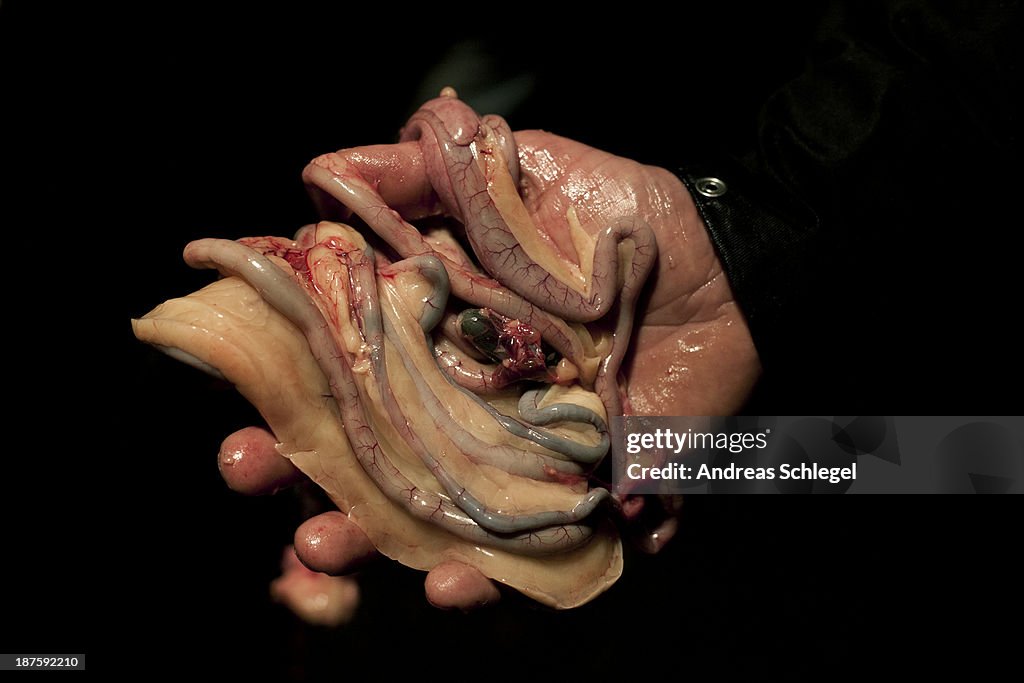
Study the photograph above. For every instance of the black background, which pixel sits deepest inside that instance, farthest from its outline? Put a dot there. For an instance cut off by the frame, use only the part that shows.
(197, 123)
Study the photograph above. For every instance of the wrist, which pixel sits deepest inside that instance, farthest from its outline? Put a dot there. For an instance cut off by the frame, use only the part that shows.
(763, 236)
(698, 355)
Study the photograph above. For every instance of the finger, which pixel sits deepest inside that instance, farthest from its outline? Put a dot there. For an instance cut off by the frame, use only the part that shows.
(314, 596)
(396, 172)
(332, 544)
(453, 585)
(250, 464)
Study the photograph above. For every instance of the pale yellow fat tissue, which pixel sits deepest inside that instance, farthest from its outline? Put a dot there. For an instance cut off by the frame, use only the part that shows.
(537, 244)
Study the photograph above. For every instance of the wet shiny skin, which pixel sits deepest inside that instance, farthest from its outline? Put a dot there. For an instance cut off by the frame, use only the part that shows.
(696, 353)
(691, 353)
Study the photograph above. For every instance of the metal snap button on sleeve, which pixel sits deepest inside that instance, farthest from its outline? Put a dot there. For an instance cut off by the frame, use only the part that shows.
(711, 187)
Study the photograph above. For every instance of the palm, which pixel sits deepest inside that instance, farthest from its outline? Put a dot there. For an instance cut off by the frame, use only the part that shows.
(692, 353)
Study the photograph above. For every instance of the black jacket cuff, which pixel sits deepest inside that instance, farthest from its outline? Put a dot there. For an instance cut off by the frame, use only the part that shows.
(765, 239)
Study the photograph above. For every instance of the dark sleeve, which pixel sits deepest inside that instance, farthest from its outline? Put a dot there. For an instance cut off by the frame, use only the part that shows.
(865, 225)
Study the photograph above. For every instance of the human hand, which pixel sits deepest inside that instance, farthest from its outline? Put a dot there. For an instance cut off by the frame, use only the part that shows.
(691, 353)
